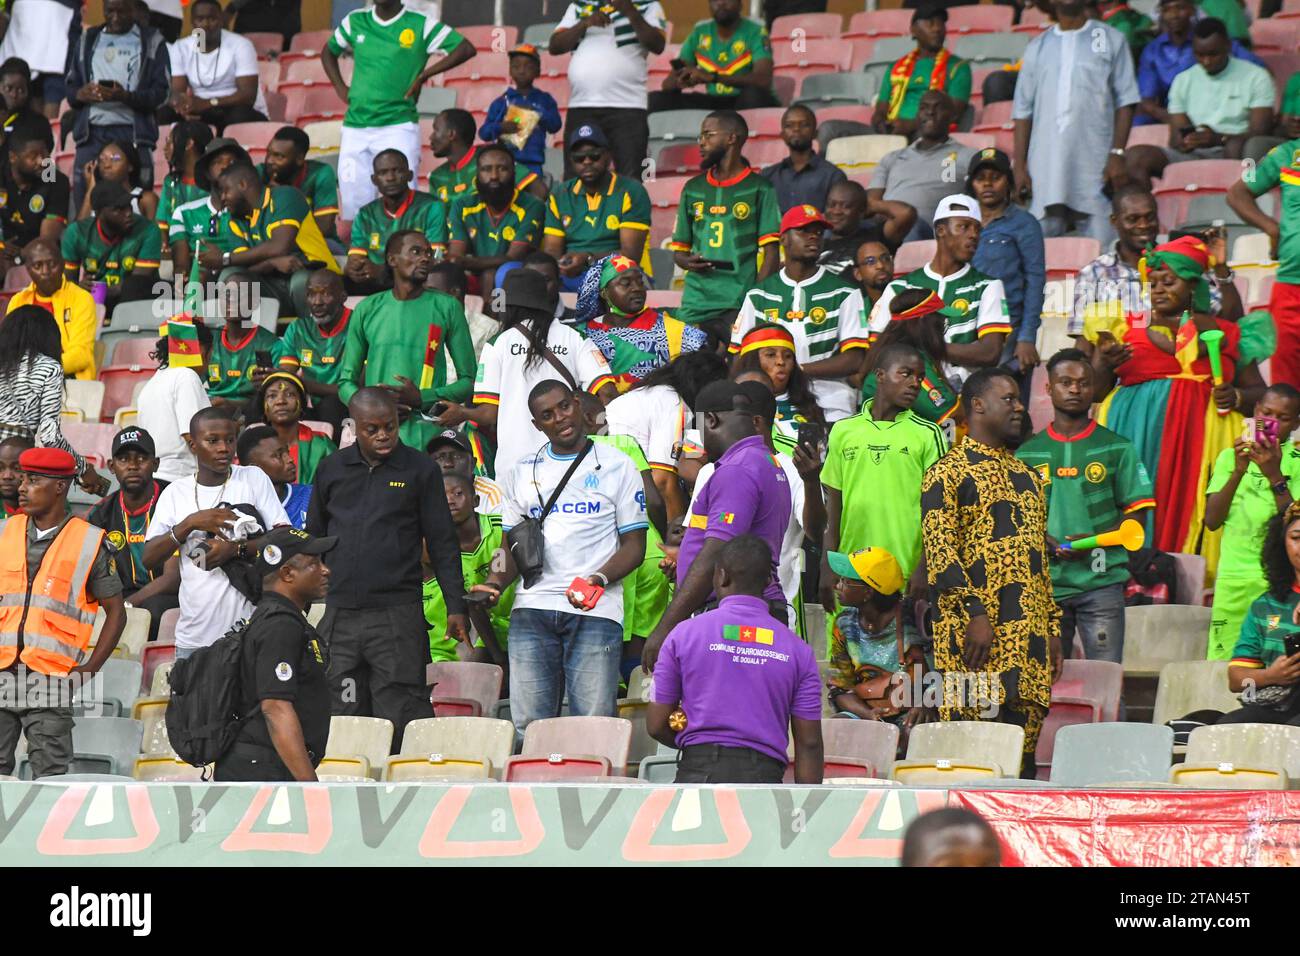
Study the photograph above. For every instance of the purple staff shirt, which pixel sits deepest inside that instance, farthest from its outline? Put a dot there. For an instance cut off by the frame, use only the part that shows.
(747, 494)
(740, 675)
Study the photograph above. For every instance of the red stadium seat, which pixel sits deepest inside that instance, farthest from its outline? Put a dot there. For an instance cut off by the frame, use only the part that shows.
(858, 114)
(604, 738)
(553, 66)
(765, 152)
(466, 680)
(93, 440)
(792, 77)
(912, 255)
(129, 351)
(167, 627)
(490, 68)
(268, 73)
(1004, 135)
(1066, 255)
(275, 105)
(17, 279)
(1156, 134)
(490, 39)
(554, 767)
(862, 49)
(155, 653)
(1087, 693)
(785, 88)
(303, 70)
(1032, 20)
(835, 55)
(663, 298)
(455, 707)
(664, 191)
(1275, 33)
(764, 123)
(880, 23)
(253, 135)
(268, 45)
(477, 99)
(659, 65)
(812, 25)
(679, 159)
(994, 114)
(314, 99)
(310, 40)
(979, 19)
(119, 386)
(1181, 181)
(975, 140)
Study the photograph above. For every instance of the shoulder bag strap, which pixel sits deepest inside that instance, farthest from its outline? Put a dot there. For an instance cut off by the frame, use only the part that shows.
(547, 354)
(550, 503)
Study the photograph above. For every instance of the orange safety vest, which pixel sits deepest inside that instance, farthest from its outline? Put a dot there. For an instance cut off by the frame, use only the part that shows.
(55, 614)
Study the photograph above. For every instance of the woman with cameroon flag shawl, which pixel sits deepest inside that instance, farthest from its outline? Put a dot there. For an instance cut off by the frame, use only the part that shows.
(281, 400)
(769, 348)
(1164, 399)
(918, 318)
(634, 339)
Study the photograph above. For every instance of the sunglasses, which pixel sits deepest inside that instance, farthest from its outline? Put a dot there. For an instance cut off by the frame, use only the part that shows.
(588, 157)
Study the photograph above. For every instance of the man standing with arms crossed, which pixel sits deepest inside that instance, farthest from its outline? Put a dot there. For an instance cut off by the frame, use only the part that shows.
(391, 46)
(385, 503)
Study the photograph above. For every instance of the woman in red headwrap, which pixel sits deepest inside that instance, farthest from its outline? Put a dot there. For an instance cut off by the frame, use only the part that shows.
(1162, 393)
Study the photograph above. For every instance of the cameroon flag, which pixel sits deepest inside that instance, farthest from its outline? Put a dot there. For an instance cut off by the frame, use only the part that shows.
(182, 337)
(747, 634)
(429, 370)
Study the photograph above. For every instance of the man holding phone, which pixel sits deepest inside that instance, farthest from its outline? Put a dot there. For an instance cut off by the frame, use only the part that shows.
(822, 311)
(566, 628)
(243, 346)
(1255, 479)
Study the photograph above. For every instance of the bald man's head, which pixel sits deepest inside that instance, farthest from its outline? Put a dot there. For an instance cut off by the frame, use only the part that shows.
(44, 263)
(374, 416)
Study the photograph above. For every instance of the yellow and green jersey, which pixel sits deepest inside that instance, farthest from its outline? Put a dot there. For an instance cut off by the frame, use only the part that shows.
(282, 206)
(726, 222)
(590, 223)
(112, 261)
(307, 349)
(175, 192)
(1281, 169)
(375, 224)
(450, 181)
(726, 56)
(472, 222)
(316, 181)
(388, 56)
(233, 358)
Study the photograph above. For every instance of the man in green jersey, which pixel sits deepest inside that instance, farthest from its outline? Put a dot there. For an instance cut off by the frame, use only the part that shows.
(820, 310)
(729, 56)
(725, 217)
(115, 247)
(975, 338)
(399, 207)
(452, 139)
(287, 165)
(204, 220)
(233, 362)
(929, 67)
(275, 235)
(1251, 482)
(493, 225)
(481, 541)
(1280, 169)
(596, 213)
(313, 345)
(875, 461)
(390, 45)
(1093, 480)
(399, 340)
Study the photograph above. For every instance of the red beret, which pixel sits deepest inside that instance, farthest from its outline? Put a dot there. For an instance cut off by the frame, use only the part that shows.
(50, 462)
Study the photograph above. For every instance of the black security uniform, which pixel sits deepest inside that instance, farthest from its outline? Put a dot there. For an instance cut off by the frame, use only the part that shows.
(384, 517)
(283, 658)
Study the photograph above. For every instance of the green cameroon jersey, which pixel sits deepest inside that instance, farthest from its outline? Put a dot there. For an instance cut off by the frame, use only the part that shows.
(388, 338)
(733, 56)
(589, 223)
(1253, 504)
(475, 566)
(374, 224)
(316, 181)
(979, 298)
(313, 353)
(451, 180)
(1280, 169)
(85, 247)
(472, 222)
(1264, 632)
(912, 76)
(823, 314)
(388, 57)
(198, 221)
(877, 468)
(175, 192)
(725, 221)
(230, 367)
(1092, 482)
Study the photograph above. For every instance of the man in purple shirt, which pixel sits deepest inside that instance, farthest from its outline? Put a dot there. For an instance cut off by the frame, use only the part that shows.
(747, 494)
(743, 679)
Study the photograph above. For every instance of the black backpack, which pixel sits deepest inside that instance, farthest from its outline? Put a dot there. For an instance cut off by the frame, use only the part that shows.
(203, 717)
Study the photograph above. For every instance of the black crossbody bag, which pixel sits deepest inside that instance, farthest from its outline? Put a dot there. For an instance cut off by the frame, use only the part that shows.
(526, 541)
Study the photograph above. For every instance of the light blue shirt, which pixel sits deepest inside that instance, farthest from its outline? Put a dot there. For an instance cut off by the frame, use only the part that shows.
(117, 58)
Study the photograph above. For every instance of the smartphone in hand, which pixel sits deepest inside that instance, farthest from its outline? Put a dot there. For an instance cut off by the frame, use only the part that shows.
(263, 358)
(586, 593)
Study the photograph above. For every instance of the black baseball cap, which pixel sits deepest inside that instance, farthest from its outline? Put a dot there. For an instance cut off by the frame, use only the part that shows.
(109, 195)
(588, 133)
(283, 543)
(991, 158)
(930, 11)
(449, 436)
(725, 395)
(136, 438)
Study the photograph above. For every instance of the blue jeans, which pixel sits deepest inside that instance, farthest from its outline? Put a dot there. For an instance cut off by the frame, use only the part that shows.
(184, 652)
(552, 650)
(1099, 618)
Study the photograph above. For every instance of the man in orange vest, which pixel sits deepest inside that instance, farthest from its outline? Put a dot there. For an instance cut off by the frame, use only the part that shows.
(55, 572)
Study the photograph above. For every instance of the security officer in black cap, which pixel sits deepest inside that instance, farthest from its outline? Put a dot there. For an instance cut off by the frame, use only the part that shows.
(282, 672)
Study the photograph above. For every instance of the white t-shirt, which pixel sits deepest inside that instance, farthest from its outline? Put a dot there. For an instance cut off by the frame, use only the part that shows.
(167, 403)
(209, 602)
(38, 33)
(655, 417)
(790, 570)
(608, 66)
(489, 495)
(213, 74)
(604, 498)
(504, 381)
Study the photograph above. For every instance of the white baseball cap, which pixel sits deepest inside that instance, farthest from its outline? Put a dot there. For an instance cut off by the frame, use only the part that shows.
(958, 206)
